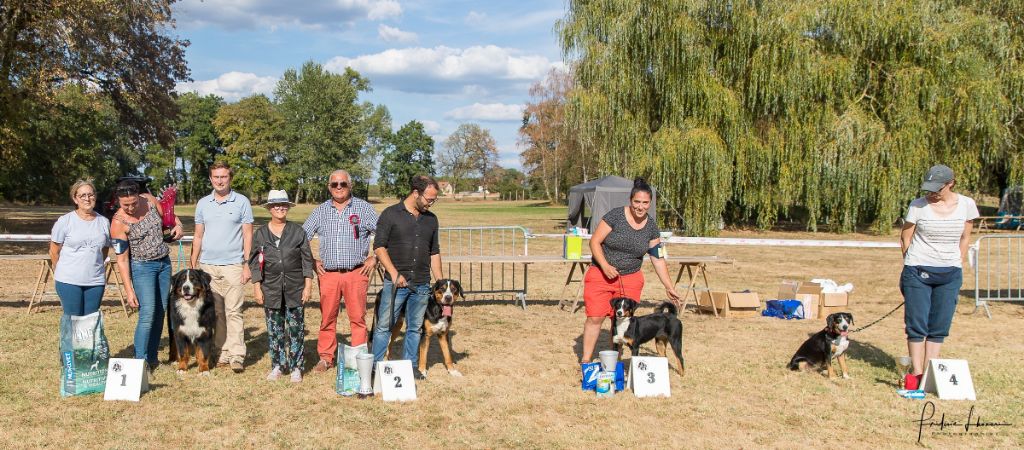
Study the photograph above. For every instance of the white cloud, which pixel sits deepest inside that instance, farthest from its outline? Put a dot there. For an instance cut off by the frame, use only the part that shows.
(392, 34)
(490, 112)
(447, 70)
(475, 18)
(317, 14)
(231, 86)
(430, 126)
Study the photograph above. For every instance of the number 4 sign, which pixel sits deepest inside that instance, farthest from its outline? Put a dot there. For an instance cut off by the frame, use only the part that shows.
(394, 381)
(949, 379)
(126, 379)
(649, 376)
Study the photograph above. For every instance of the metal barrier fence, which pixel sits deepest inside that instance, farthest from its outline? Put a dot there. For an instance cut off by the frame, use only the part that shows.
(484, 241)
(998, 270)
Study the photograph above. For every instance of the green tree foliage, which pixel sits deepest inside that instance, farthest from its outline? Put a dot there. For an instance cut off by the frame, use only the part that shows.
(411, 153)
(469, 152)
(186, 160)
(746, 110)
(326, 129)
(119, 48)
(254, 141)
(76, 134)
(551, 154)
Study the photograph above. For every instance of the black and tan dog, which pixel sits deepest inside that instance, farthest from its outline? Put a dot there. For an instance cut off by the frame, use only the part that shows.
(823, 346)
(437, 321)
(662, 326)
(192, 319)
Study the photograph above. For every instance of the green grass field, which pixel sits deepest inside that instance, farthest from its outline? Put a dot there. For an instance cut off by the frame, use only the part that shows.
(521, 384)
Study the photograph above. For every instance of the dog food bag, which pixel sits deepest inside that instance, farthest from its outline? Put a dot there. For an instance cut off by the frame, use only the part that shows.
(605, 384)
(83, 354)
(347, 382)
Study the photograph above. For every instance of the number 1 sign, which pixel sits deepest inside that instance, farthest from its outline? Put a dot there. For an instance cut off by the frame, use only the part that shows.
(950, 379)
(126, 379)
(394, 381)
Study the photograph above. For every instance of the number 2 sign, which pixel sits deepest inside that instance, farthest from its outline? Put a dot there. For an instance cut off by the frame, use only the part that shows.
(394, 381)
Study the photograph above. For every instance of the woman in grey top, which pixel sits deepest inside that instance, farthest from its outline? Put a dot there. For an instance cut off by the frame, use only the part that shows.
(618, 247)
(79, 243)
(142, 259)
(282, 275)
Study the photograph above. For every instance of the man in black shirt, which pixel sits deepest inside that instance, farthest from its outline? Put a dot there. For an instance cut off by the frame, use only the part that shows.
(406, 245)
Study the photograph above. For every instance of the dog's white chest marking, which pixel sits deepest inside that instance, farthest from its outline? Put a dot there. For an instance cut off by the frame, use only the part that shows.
(440, 327)
(190, 315)
(841, 346)
(620, 329)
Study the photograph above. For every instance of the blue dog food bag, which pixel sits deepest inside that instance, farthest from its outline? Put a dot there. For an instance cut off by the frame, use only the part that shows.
(590, 371)
(84, 354)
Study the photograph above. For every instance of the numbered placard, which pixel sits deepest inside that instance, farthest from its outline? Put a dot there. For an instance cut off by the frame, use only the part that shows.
(394, 381)
(127, 379)
(649, 376)
(949, 379)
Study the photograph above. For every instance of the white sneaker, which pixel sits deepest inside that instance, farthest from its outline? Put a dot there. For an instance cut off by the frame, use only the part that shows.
(296, 375)
(274, 374)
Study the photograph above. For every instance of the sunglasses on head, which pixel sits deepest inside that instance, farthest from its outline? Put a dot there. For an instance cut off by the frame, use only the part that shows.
(126, 191)
(338, 184)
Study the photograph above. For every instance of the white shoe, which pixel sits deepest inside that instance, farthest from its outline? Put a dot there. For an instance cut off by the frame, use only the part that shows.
(296, 375)
(274, 374)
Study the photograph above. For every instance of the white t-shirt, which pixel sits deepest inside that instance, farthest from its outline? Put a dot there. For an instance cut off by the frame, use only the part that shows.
(936, 241)
(81, 252)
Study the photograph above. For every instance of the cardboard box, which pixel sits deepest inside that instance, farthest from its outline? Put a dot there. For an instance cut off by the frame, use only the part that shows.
(827, 303)
(810, 303)
(730, 304)
(572, 247)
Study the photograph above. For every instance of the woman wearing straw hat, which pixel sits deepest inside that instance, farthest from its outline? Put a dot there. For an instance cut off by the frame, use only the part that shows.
(934, 239)
(282, 276)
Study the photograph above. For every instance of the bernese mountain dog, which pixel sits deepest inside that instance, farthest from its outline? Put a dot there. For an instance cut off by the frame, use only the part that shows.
(193, 319)
(823, 346)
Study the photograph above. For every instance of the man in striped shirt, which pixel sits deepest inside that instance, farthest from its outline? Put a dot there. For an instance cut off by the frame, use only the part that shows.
(344, 224)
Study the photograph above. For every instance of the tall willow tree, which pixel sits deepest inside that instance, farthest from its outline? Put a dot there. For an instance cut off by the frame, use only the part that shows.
(746, 110)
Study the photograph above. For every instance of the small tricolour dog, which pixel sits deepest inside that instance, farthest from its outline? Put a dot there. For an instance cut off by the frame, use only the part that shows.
(437, 321)
(662, 326)
(823, 346)
(193, 319)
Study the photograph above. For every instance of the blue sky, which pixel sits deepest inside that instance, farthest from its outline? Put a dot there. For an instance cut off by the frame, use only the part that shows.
(443, 62)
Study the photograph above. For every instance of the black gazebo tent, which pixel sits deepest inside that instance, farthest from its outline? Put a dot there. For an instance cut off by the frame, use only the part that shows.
(600, 195)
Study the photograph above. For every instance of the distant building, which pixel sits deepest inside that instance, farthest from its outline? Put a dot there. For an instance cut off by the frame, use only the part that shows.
(447, 190)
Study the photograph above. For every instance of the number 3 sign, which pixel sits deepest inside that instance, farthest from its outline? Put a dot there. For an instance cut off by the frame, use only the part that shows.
(394, 381)
(950, 379)
(649, 376)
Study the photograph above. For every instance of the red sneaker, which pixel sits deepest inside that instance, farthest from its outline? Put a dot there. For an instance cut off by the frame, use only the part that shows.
(910, 382)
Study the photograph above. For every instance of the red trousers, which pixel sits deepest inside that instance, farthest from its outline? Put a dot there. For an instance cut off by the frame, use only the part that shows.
(333, 287)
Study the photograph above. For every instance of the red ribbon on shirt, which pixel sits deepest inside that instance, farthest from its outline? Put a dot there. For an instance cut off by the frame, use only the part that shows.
(354, 220)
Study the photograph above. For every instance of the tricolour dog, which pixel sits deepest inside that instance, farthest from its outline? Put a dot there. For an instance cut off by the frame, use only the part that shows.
(193, 319)
(823, 346)
(437, 321)
(662, 326)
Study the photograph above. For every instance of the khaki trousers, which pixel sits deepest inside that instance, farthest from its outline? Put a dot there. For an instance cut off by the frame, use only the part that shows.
(229, 334)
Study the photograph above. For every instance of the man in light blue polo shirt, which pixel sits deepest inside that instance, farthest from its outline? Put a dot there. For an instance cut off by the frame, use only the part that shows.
(223, 241)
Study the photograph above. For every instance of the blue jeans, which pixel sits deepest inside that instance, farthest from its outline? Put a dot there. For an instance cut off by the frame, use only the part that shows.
(414, 298)
(79, 300)
(152, 283)
(930, 295)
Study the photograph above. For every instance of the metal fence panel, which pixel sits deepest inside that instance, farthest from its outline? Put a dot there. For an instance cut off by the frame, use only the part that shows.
(999, 270)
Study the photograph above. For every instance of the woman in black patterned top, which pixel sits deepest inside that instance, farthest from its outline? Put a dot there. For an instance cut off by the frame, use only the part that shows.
(618, 247)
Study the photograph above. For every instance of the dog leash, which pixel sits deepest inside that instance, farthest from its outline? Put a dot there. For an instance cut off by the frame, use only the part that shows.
(879, 319)
(181, 255)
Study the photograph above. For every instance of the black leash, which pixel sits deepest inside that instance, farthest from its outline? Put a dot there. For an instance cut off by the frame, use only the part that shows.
(879, 319)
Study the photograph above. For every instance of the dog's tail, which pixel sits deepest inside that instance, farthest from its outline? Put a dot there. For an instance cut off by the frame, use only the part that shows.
(667, 308)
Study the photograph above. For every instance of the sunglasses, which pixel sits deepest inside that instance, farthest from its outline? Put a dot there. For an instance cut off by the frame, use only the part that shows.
(339, 184)
(126, 191)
